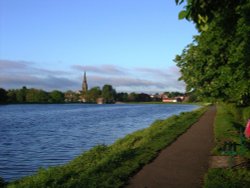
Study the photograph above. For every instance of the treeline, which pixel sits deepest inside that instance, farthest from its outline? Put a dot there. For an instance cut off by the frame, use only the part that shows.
(32, 95)
(106, 94)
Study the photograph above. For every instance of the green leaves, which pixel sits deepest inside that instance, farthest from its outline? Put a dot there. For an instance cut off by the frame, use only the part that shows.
(178, 2)
(182, 15)
(216, 65)
(108, 93)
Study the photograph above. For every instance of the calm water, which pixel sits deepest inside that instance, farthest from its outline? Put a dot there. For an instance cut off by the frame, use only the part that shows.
(33, 136)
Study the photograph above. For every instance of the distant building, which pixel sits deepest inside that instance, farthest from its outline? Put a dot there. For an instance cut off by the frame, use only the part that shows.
(168, 100)
(84, 83)
(84, 87)
(100, 100)
(70, 96)
(165, 98)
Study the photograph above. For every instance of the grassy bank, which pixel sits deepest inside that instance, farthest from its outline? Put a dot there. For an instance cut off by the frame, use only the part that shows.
(111, 166)
(229, 125)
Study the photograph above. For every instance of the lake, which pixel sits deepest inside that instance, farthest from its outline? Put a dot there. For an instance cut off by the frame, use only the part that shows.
(34, 136)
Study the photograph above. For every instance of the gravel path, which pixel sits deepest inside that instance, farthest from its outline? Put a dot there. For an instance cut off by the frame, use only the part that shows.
(183, 163)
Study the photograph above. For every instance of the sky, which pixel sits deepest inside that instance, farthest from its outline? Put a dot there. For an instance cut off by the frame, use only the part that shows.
(129, 44)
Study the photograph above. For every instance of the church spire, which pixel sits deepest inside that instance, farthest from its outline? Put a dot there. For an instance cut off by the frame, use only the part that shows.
(84, 84)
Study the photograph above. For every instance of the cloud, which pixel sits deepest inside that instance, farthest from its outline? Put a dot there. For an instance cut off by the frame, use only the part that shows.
(18, 79)
(168, 77)
(130, 84)
(122, 81)
(102, 69)
(47, 83)
(169, 72)
(60, 83)
(9, 67)
(154, 72)
(15, 74)
(17, 65)
(50, 72)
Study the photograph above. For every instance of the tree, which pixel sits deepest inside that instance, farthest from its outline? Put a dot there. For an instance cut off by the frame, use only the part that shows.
(132, 97)
(93, 94)
(202, 12)
(108, 93)
(56, 97)
(173, 94)
(3, 96)
(36, 96)
(43, 96)
(143, 97)
(122, 97)
(21, 95)
(12, 96)
(215, 66)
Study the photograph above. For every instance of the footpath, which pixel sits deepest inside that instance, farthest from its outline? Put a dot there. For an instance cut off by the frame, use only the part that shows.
(184, 163)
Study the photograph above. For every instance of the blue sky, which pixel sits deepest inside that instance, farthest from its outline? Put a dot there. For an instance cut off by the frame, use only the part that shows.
(130, 44)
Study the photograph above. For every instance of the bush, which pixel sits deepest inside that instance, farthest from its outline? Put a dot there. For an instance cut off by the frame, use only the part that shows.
(227, 178)
(229, 127)
(229, 124)
(246, 114)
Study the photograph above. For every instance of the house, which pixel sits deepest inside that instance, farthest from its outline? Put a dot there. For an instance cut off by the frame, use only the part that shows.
(168, 100)
(175, 99)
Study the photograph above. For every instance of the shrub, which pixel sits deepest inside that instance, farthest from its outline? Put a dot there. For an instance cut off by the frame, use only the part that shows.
(246, 114)
(227, 178)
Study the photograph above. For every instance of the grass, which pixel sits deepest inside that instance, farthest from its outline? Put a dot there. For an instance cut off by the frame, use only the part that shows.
(227, 178)
(229, 125)
(224, 129)
(112, 166)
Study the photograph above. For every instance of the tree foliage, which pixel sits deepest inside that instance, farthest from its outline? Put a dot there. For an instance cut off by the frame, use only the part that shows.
(32, 95)
(3, 96)
(21, 95)
(108, 93)
(202, 12)
(216, 65)
(36, 95)
(56, 97)
(122, 97)
(93, 94)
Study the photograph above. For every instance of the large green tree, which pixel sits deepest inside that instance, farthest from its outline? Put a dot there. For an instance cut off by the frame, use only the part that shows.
(56, 97)
(93, 94)
(21, 95)
(216, 65)
(122, 97)
(108, 93)
(36, 96)
(12, 96)
(202, 12)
